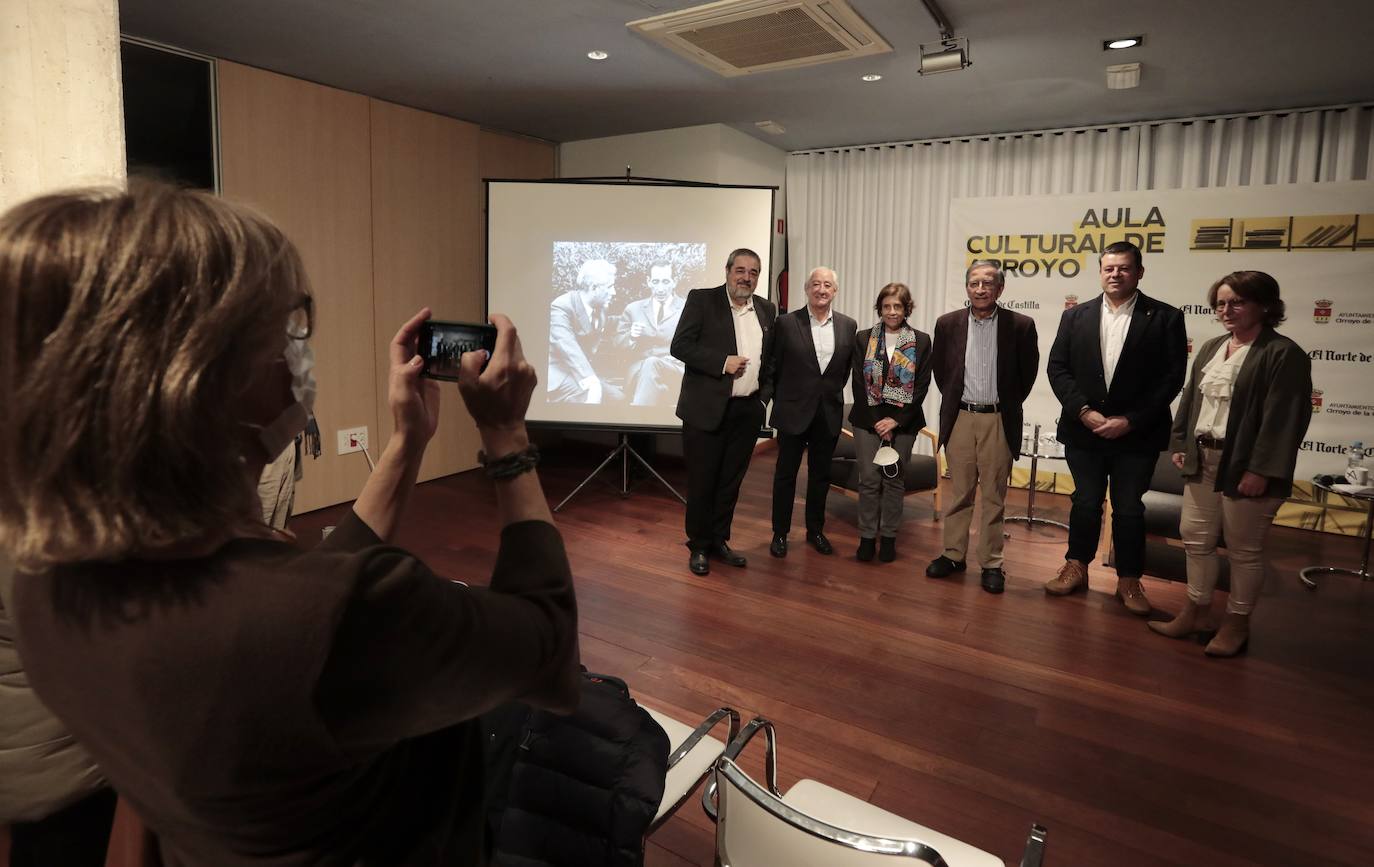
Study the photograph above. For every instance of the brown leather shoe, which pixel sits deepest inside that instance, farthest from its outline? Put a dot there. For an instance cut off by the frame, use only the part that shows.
(1072, 577)
(1132, 595)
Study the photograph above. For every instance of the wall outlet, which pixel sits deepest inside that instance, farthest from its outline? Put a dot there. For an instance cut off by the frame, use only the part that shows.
(352, 439)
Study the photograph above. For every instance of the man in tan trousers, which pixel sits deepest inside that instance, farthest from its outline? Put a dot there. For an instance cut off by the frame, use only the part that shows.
(985, 360)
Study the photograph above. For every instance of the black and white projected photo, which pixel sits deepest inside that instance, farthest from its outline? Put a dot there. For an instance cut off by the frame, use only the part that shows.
(614, 308)
(595, 276)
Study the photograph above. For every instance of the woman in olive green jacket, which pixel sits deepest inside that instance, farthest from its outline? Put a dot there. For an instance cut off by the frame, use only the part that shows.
(1236, 436)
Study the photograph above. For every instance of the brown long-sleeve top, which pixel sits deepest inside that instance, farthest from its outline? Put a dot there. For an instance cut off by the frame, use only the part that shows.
(270, 706)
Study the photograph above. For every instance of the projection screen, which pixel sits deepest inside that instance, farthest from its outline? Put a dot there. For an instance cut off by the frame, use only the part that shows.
(594, 275)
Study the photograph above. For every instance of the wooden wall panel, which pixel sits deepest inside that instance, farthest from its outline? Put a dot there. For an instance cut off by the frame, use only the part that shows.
(508, 156)
(299, 152)
(426, 218)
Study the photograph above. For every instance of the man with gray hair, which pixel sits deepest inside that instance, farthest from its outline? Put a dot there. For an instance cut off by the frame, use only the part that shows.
(811, 351)
(985, 360)
(577, 326)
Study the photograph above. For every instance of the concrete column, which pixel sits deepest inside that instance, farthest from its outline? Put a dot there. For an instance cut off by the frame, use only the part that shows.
(61, 101)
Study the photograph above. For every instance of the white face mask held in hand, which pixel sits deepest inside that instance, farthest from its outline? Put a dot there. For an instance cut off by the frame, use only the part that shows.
(276, 436)
(885, 458)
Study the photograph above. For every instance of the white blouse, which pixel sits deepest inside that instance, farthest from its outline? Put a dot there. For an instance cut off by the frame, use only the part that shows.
(1218, 381)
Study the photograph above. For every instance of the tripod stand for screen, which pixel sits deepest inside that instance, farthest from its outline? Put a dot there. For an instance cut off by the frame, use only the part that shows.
(624, 451)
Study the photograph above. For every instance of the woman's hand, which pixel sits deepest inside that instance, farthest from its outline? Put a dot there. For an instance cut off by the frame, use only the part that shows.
(414, 399)
(1252, 485)
(884, 427)
(498, 397)
(1177, 458)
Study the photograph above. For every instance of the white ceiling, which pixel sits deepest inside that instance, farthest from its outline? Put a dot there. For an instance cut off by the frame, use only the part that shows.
(521, 65)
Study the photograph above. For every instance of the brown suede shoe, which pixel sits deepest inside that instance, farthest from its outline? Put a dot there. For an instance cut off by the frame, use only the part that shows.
(1232, 638)
(1132, 595)
(1072, 577)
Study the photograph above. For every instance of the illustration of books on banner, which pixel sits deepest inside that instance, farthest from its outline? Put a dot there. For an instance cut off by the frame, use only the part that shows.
(1211, 233)
(1261, 233)
(1306, 232)
(1325, 231)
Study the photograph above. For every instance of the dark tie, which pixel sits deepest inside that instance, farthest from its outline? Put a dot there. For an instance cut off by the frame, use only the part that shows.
(662, 312)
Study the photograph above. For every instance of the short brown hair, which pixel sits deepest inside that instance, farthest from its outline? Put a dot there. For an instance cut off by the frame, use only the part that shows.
(130, 325)
(900, 291)
(1256, 287)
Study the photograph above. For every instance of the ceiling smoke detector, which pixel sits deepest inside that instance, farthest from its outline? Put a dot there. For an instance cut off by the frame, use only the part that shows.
(1123, 76)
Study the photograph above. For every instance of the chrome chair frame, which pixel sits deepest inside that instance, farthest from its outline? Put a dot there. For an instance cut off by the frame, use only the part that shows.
(770, 800)
(686, 747)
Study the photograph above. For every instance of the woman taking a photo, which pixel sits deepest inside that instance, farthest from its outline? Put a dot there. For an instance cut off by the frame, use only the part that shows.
(254, 702)
(1236, 437)
(891, 374)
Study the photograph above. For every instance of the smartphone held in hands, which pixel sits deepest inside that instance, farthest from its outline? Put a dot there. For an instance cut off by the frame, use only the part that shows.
(442, 345)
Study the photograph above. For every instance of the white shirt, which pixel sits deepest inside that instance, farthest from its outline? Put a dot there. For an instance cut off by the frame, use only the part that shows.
(823, 336)
(1115, 324)
(1218, 381)
(890, 339)
(749, 343)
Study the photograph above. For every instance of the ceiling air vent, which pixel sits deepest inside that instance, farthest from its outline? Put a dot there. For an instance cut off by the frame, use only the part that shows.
(739, 37)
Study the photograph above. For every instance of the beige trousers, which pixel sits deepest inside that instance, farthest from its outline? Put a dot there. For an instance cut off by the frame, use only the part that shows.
(1245, 521)
(979, 459)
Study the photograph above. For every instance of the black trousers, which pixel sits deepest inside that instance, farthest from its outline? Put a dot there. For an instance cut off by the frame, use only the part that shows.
(75, 836)
(1129, 476)
(716, 463)
(819, 444)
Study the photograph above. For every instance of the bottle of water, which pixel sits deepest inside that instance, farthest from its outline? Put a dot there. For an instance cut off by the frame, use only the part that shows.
(1355, 471)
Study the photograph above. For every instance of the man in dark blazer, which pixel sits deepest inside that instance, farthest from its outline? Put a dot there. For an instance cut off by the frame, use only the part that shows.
(646, 330)
(1116, 364)
(985, 361)
(724, 339)
(578, 322)
(811, 352)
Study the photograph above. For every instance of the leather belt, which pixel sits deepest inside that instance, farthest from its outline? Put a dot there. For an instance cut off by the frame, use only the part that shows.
(980, 407)
(1210, 442)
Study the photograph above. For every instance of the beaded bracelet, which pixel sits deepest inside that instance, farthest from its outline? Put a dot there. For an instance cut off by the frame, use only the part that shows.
(511, 465)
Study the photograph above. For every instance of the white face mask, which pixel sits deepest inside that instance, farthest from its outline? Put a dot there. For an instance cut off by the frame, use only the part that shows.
(885, 458)
(276, 436)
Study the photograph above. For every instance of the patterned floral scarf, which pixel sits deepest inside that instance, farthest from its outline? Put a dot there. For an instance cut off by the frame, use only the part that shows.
(894, 382)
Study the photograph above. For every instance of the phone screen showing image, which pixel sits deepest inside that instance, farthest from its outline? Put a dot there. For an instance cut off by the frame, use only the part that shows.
(442, 345)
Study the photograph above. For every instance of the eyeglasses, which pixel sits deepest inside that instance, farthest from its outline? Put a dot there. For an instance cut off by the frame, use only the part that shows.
(1234, 304)
(301, 322)
(979, 284)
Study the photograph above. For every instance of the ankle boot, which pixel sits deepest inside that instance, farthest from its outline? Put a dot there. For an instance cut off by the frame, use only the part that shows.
(1233, 636)
(1191, 620)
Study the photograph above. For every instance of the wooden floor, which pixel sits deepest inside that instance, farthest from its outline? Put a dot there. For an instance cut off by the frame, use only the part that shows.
(971, 713)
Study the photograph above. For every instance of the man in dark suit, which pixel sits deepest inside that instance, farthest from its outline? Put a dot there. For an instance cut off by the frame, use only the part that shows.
(811, 352)
(646, 330)
(1116, 364)
(577, 325)
(985, 361)
(724, 339)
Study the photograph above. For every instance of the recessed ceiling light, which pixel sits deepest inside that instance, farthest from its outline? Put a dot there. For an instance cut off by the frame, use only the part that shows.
(597, 55)
(1123, 42)
(873, 76)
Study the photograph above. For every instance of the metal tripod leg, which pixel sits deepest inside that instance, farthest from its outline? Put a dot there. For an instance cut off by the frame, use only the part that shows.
(623, 450)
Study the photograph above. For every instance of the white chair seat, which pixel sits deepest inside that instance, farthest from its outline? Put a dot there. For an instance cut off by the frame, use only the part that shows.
(845, 811)
(684, 776)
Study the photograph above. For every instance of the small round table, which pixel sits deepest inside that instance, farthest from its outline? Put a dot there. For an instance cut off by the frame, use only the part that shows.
(1029, 517)
(1366, 497)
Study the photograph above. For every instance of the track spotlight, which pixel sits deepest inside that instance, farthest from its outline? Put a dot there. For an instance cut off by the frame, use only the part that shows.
(947, 55)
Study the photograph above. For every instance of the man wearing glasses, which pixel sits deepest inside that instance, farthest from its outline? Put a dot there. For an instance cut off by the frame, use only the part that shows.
(646, 329)
(985, 360)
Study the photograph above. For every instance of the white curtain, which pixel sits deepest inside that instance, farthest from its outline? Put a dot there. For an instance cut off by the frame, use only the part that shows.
(880, 213)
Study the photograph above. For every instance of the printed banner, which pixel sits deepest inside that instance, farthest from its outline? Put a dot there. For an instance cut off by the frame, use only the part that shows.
(1317, 240)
